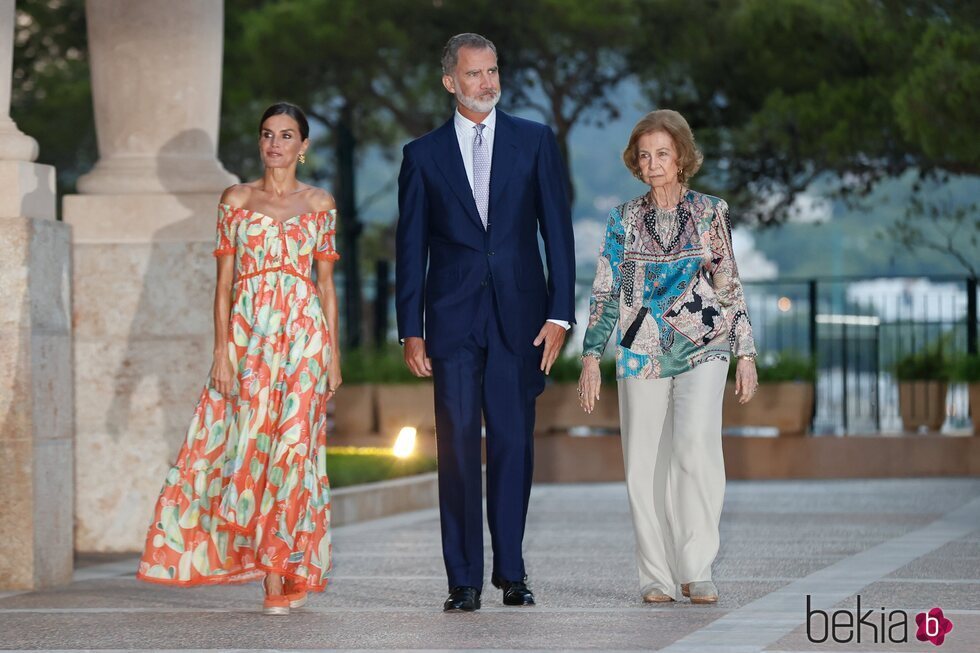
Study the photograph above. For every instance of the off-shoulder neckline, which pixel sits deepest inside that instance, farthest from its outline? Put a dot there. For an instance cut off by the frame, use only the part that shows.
(273, 218)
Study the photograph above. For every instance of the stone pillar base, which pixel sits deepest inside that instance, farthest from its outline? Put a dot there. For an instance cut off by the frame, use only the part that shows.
(143, 297)
(36, 401)
(27, 189)
(158, 174)
(14, 144)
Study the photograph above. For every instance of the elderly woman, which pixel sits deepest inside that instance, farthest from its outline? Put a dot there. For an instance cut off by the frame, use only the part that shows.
(667, 283)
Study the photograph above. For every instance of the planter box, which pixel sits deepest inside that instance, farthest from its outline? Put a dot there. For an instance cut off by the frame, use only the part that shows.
(409, 404)
(358, 503)
(786, 406)
(975, 407)
(922, 403)
(557, 408)
(568, 459)
(355, 410)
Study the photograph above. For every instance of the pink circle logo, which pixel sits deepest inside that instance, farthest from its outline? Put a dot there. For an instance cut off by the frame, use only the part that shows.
(933, 626)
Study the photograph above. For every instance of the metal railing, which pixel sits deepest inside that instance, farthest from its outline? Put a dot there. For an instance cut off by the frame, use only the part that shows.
(855, 329)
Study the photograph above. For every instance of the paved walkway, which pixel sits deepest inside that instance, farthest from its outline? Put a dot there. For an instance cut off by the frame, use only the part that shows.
(900, 544)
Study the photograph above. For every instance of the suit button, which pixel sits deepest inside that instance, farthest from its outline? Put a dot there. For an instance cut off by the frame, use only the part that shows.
(484, 283)
(490, 253)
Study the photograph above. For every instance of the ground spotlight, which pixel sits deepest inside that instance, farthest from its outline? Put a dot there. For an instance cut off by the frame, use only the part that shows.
(405, 442)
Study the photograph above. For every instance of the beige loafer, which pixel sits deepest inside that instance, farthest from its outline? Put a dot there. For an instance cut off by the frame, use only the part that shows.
(656, 596)
(701, 591)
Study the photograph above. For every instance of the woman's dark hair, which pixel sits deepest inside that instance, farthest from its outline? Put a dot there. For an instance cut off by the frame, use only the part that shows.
(291, 110)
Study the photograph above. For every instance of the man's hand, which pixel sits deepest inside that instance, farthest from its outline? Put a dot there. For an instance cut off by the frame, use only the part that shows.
(415, 358)
(553, 337)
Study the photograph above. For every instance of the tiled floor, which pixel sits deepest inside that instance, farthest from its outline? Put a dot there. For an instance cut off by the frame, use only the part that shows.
(907, 545)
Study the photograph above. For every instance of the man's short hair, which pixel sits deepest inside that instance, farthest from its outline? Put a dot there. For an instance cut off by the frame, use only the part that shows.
(450, 54)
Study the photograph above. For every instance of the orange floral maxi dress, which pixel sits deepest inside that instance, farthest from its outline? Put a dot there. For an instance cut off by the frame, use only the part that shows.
(248, 493)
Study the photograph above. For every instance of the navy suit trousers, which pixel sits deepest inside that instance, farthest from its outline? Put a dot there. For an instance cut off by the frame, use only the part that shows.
(484, 377)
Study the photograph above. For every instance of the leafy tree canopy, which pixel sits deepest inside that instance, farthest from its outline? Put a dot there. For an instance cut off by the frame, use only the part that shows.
(790, 92)
(51, 96)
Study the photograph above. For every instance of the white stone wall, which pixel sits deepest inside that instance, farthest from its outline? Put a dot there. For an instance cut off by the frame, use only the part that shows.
(144, 275)
(143, 343)
(36, 400)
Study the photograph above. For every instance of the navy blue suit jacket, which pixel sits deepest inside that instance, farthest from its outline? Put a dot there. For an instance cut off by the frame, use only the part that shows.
(439, 226)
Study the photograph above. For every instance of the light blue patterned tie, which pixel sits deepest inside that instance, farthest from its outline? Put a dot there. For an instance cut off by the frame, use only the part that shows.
(481, 174)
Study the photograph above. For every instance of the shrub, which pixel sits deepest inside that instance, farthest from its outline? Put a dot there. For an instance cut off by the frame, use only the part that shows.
(929, 364)
(783, 367)
(568, 368)
(966, 369)
(355, 465)
(386, 365)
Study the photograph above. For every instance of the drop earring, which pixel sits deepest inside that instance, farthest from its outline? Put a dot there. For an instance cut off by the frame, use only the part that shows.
(302, 158)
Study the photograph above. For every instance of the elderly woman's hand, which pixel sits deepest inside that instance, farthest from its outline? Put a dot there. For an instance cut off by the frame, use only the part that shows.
(746, 380)
(588, 383)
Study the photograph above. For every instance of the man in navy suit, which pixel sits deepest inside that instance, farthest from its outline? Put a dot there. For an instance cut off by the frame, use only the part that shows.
(482, 320)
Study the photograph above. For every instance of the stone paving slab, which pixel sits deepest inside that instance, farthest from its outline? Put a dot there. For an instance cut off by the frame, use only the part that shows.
(781, 540)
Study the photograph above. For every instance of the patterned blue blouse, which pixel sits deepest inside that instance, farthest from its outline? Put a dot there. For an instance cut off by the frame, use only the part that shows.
(673, 304)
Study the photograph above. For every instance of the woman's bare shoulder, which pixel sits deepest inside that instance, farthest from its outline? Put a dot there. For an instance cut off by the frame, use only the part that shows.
(236, 195)
(321, 200)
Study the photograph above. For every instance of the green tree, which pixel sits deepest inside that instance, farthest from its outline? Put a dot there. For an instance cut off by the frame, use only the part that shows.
(565, 59)
(367, 73)
(943, 224)
(350, 65)
(51, 97)
(791, 92)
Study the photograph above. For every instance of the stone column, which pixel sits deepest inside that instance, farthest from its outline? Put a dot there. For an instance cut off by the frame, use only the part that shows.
(156, 83)
(143, 234)
(14, 145)
(36, 404)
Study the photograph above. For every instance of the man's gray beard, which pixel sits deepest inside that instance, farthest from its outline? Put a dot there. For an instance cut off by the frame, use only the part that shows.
(477, 105)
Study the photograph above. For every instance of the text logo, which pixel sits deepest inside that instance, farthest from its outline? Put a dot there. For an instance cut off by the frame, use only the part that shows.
(873, 626)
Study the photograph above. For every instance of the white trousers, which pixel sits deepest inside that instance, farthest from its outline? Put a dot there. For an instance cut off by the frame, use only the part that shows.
(675, 473)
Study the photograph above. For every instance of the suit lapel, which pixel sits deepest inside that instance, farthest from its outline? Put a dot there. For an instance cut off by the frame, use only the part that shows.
(505, 147)
(450, 164)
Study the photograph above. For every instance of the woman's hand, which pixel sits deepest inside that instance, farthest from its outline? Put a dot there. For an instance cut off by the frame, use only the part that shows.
(746, 380)
(223, 374)
(334, 377)
(588, 383)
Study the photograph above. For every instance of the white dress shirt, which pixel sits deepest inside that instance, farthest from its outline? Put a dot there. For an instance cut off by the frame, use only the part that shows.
(465, 134)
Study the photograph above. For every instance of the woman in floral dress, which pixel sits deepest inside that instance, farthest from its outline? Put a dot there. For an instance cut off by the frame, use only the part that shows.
(248, 496)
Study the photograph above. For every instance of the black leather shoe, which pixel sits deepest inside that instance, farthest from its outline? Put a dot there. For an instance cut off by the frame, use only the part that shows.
(462, 599)
(516, 592)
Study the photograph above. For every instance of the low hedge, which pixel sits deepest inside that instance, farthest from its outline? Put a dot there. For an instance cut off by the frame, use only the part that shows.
(348, 466)
(781, 368)
(929, 364)
(385, 365)
(567, 369)
(966, 369)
